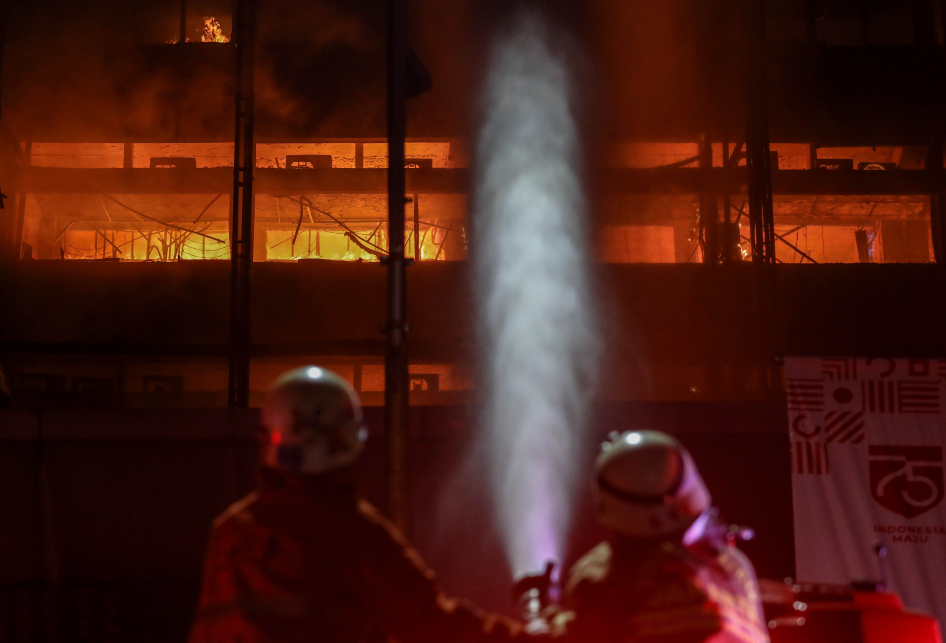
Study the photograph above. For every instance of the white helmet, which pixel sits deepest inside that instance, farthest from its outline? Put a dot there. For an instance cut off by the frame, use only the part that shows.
(314, 422)
(647, 485)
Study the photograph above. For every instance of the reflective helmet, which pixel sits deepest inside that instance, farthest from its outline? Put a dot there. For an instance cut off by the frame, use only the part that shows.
(313, 422)
(647, 485)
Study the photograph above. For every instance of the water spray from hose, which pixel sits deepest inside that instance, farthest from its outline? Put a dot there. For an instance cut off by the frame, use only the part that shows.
(534, 292)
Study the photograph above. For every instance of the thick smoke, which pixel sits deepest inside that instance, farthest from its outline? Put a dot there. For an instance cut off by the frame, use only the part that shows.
(534, 291)
(102, 71)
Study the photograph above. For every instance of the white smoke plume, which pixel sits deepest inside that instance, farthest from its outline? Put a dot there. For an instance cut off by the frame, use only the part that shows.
(534, 291)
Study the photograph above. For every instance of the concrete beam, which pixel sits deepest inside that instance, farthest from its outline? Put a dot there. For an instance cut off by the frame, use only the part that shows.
(54, 180)
(49, 180)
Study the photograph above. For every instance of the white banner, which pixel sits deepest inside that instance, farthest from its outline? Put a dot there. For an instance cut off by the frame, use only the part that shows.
(867, 440)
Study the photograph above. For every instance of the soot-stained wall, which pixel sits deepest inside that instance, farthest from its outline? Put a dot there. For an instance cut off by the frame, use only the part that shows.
(673, 332)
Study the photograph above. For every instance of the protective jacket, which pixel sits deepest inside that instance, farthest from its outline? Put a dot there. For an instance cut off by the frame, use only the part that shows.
(632, 591)
(305, 559)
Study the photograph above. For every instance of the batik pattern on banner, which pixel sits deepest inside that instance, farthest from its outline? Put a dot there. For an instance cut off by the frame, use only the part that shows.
(867, 441)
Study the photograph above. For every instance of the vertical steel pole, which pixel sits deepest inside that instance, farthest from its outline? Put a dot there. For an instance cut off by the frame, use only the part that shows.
(395, 363)
(241, 223)
(183, 37)
(709, 211)
(8, 155)
(811, 21)
(934, 163)
(6, 229)
(416, 228)
(21, 207)
(128, 155)
(865, 21)
(730, 232)
(246, 216)
(758, 163)
(234, 367)
(359, 155)
(924, 23)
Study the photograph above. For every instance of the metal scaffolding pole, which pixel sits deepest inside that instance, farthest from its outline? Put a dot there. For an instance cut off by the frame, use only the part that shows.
(395, 361)
(7, 218)
(758, 163)
(241, 225)
(934, 161)
(21, 206)
(183, 30)
(709, 210)
(416, 204)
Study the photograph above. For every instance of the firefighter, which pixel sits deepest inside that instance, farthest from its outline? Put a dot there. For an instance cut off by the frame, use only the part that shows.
(670, 572)
(304, 558)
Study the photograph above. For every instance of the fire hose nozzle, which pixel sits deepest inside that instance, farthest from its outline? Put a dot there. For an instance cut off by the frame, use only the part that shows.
(532, 593)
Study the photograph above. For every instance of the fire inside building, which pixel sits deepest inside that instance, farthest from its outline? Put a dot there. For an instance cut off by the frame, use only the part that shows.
(197, 197)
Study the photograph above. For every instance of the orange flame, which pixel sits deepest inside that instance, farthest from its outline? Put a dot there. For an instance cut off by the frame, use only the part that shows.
(213, 32)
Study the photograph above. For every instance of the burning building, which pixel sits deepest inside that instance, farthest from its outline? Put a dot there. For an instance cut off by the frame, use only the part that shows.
(119, 149)
(789, 152)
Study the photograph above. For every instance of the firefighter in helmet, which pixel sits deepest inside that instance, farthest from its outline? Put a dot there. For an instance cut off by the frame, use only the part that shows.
(670, 573)
(304, 558)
